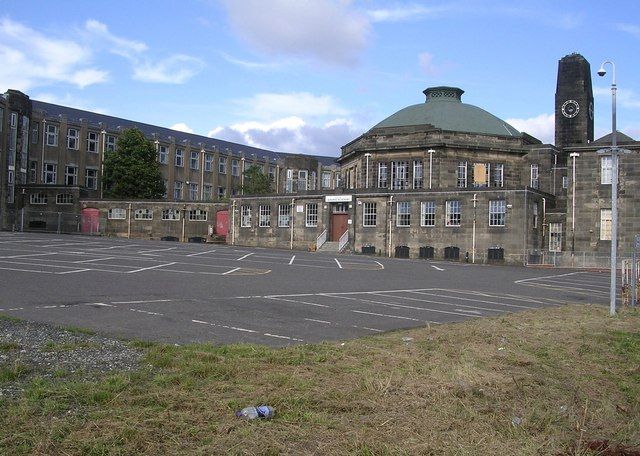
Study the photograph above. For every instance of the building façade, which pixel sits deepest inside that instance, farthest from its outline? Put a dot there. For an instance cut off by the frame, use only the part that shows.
(447, 180)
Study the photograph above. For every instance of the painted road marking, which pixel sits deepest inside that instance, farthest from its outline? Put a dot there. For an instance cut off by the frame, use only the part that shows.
(436, 267)
(231, 271)
(200, 253)
(29, 255)
(296, 301)
(147, 312)
(318, 321)
(385, 315)
(283, 337)
(149, 268)
(93, 259)
(142, 302)
(73, 272)
(339, 265)
(245, 256)
(292, 258)
(473, 300)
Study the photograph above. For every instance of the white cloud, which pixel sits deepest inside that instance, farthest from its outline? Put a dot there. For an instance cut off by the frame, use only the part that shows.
(31, 59)
(247, 64)
(541, 127)
(325, 30)
(176, 69)
(122, 46)
(291, 134)
(425, 60)
(411, 12)
(181, 126)
(629, 28)
(268, 106)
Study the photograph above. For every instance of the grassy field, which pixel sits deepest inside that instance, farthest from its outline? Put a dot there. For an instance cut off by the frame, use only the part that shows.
(552, 381)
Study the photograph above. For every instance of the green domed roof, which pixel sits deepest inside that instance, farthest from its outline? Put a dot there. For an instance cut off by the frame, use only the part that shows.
(444, 110)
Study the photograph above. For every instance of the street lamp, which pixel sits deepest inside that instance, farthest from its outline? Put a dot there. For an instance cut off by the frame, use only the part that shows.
(431, 152)
(614, 152)
(573, 155)
(366, 184)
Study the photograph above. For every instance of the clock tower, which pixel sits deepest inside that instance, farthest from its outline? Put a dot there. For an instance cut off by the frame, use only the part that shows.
(574, 102)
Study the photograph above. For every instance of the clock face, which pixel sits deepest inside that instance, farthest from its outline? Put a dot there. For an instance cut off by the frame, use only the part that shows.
(570, 108)
(591, 110)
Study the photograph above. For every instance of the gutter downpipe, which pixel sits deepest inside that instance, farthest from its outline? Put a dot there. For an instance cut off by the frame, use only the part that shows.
(233, 222)
(129, 223)
(292, 222)
(525, 234)
(44, 133)
(390, 224)
(103, 145)
(473, 233)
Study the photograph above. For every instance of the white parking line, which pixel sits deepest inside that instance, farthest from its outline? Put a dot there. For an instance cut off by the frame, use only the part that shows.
(147, 312)
(200, 253)
(296, 301)
(141, 302)
(283, 337)
(231, 271)
(292, 258)
(318, 321)
(73, 272)
(93, 259)
(150, 267)
(156, 250)
(244, 256)
(517, 306)
(385, 315)
(28, 255)
(437, 268)
(338, 263)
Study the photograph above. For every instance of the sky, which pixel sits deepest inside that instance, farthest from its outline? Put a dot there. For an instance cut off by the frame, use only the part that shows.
(308, 76)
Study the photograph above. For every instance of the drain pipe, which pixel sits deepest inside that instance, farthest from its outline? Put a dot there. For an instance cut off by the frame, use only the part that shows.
(390, 224)
(473, 231)
(291, 221)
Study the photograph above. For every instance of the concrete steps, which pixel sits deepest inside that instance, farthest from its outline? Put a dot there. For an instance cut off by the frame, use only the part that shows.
(329, 246)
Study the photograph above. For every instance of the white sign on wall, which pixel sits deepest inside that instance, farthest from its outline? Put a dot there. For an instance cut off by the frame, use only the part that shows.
(338, 198)
(299, 208)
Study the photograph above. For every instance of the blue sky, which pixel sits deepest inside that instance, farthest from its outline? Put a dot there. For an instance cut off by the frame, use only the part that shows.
(307, 76)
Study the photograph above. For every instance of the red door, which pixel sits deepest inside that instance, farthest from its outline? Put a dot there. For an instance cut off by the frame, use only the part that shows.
(222, 223)
(339, 225)
(90, 220)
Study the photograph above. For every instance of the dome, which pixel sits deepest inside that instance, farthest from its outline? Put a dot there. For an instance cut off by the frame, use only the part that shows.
(444, 110)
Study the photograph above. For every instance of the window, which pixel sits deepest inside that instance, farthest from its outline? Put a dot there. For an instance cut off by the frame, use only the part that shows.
(428, 213)
(288, 188)
(35, 132)
(222, 165)
(222, 192)
(497, 212)
(177, 190)
(171, 214)
(208, 162)
(179, 158)
(193, 192)
(51, 134)
(311, 219)
(264, 217)
(462, 175)
(370, 214)
(452, 215)
(403, 217)
(92, 142)
(143, 214)
(303, 175)
(193, 161)
(605, 224)
(64, 198)
(72, 138)
(535, 181)
(33, 172)
(498, 175)
(535, 215)
(91, 178)
(71, 175)
(606, 170)
(481, 174)
(382, 175)
(235, 168)
(207, 192)
(50, 173)
(399, 175)
(555, 237)
(245, 216)
(38, 198)
(198, 215)
(117, 213)
(417, 174)
(111, 143)
(284, 215)
(165, 185)
(326, 179)
(565, 182)
(272, 173)
(162, 154)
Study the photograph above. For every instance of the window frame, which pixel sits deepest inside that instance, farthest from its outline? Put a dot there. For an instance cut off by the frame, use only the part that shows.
(92, 142)
(264, 216)
(403, 218)
(143, 214)
(64, 199)
(370, 214)
(311, 215)
(606, 224)
(117, 213)
(453, 213)
(427, 213)
(73, 141)
(88, 178)
(178, 158)
(51, 137)
(37, 199)
(497, 213)
(197, 215)
(606, 170)
(71, 175)
(284, 215)
(194, 162)
(245, 216)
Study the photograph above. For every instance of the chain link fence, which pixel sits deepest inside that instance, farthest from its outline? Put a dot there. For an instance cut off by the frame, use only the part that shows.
(59, 222)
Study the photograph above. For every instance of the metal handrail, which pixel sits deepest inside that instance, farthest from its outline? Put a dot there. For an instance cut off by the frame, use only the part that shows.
(344, 239)
(321, 240)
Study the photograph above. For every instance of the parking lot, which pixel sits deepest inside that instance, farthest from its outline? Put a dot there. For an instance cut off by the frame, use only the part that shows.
(181, 293)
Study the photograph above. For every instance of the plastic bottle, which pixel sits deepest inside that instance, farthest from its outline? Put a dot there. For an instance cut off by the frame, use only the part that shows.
(251, 413)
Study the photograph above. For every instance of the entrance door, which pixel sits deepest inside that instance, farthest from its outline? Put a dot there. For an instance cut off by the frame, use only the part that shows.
(90, 220)
(338, 226)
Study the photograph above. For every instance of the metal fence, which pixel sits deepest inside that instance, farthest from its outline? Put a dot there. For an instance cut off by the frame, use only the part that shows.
(60, 222)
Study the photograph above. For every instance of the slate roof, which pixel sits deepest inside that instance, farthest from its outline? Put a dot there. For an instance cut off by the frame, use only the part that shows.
(621, 138)
(444, 109)
(111, 123)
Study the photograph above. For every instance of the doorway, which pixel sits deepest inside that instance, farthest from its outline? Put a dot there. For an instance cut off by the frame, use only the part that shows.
(339, 220)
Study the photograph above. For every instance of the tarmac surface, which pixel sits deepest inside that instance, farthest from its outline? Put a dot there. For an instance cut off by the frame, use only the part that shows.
(180, 293)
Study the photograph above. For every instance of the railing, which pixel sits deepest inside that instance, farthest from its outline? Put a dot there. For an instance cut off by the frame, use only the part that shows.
(630, 281)
(321, 240)
(567, 260)
(344, 239)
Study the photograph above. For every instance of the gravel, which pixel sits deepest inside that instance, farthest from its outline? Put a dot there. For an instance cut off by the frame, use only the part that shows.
(31, 350)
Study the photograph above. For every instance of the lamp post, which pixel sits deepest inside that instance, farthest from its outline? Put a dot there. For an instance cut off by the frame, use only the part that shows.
(614, 152)
(430, 152)
(366, 184)
(573, 155)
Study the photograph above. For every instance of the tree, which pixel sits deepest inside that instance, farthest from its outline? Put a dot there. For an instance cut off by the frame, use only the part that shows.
(131, 171)
(256, 182)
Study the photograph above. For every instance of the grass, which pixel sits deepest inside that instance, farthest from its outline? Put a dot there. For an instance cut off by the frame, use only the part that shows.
(543, 382)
